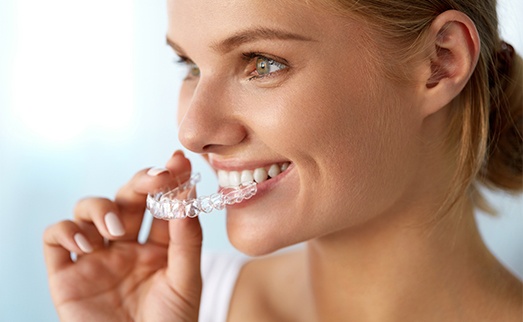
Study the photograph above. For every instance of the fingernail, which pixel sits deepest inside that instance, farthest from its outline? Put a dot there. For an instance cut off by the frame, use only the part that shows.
(113, 224)
(179, 152)
(83, 243)
(153, 172)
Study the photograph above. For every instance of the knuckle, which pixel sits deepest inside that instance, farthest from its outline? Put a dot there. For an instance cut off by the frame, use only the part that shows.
(65, 225)
(89, 203)
(57, 228)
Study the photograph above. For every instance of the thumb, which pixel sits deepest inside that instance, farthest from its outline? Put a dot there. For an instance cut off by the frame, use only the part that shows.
(184, 255)
(185, 245)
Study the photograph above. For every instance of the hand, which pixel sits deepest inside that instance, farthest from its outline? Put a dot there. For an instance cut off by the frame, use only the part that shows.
(116, 278)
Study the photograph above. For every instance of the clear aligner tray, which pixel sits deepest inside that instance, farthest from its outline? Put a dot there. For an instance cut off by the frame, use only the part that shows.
(175, 203)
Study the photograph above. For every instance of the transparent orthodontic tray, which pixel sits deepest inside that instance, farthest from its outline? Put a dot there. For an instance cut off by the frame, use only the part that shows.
(176, 203)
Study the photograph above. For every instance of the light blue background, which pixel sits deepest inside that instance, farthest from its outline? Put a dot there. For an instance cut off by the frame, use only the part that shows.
(87, 97)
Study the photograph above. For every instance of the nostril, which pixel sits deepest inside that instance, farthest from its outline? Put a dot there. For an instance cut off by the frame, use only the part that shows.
(210, 148)
(217, 148)
(220, 138)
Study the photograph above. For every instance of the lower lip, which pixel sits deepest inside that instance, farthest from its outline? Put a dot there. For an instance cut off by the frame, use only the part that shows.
(263, 188)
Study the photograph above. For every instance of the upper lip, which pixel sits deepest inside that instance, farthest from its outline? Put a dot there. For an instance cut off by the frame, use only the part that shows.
(238, 165)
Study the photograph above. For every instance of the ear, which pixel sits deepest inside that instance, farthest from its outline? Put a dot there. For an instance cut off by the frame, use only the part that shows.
(454, 50)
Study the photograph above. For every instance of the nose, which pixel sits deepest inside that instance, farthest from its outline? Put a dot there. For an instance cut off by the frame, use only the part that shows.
(208, 122)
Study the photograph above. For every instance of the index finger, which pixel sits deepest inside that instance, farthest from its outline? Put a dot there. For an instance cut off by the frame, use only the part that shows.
(131, 198)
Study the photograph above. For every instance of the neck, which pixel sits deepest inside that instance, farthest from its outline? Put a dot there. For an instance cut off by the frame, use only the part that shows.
(394, 270)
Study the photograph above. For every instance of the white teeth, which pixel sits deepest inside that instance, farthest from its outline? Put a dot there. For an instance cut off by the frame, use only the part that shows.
(223, 178)
(247, 176)
(234, 178)
(274, 170)
(260, 175)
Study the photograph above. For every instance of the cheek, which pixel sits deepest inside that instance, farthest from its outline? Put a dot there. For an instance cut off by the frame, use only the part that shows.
(351, 145)
(315, 115)
(355, 148)
(374, 153)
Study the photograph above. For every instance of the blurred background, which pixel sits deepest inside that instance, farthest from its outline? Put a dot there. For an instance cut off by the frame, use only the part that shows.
(88, 91)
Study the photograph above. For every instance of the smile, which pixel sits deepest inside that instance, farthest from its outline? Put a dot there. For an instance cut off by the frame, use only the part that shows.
(232, 179)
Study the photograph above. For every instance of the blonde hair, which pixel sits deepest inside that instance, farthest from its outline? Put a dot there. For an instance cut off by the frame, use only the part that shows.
(487, 127)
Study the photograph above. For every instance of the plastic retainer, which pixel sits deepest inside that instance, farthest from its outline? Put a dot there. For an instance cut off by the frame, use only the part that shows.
(167, 205)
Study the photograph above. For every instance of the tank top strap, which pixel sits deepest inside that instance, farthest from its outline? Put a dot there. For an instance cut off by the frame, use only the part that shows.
(219, 274)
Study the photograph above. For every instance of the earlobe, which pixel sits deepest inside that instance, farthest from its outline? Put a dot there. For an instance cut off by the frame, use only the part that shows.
(454, 50)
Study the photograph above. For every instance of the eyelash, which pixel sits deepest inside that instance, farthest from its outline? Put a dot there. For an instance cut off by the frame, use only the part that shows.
(249, 57)
(184, 60)
(181, 60)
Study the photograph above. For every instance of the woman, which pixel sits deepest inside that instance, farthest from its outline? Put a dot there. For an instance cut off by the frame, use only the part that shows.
(379, 119)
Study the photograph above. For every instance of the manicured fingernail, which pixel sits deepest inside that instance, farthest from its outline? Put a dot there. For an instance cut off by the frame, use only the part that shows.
(153, 172)
(113, 224)
(83, 243)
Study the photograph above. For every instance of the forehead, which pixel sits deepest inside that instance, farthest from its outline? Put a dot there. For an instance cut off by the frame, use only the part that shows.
(193, 22)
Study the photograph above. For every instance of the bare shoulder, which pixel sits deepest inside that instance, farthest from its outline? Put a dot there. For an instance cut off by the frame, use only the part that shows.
(267, 287)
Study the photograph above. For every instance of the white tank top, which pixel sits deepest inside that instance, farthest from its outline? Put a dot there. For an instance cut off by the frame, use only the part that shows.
(219, 274)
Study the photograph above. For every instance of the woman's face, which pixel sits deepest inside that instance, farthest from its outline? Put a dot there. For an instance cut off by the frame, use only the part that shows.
(283, 82)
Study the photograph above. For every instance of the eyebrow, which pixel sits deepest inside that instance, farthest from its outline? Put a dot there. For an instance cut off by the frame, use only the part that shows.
(247, 36)
(174, 46)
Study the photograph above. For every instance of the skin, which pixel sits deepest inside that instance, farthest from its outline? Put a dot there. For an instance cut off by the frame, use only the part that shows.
(222, 115)
(369, 169)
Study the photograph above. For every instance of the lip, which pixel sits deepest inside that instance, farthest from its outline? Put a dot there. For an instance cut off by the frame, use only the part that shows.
(239, 165)
(264, 188)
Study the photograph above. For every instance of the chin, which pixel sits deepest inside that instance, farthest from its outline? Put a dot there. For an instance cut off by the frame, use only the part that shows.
(251, 247)
(256, 241)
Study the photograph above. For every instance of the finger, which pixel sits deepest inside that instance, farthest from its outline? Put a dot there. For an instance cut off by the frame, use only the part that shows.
(181, 168)
(103, 213)
(90, 231)
(184, 253)
(159, 232)
(131, 198)
(179, 165)
(60, 240)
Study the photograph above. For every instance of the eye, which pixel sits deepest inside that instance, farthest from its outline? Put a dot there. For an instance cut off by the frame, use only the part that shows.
(264, 66)
(192, 70)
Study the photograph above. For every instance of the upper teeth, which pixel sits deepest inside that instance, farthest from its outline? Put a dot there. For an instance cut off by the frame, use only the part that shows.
(259, 175)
